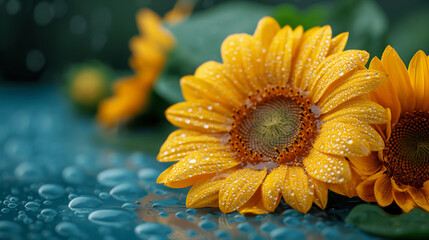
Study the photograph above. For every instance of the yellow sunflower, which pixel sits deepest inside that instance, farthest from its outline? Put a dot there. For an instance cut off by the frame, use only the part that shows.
(400, 172)
(276, 118)
(149, 54)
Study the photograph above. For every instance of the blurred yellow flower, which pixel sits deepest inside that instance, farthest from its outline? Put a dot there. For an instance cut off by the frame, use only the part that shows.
(149, 54)
(276, 118)
(400, 172)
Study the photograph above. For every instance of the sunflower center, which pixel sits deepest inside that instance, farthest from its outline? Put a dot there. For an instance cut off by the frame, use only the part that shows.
(274, 125)
(406, 155)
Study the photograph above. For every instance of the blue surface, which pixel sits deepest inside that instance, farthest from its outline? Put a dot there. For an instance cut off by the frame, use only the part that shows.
(58, 182)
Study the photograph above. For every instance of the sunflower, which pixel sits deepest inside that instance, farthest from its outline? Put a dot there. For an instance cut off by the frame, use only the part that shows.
(149, 54)
(400, 172)
(276, 118)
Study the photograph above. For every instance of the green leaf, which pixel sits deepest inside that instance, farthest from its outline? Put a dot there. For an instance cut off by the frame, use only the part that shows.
(289, 15)
(199, 39)
(374, 220)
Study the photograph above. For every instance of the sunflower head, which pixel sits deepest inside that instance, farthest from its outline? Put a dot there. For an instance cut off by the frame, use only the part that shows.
(400, 173)
(276, 118)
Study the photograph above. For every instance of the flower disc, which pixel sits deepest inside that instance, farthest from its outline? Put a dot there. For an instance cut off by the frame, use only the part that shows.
(407, 150)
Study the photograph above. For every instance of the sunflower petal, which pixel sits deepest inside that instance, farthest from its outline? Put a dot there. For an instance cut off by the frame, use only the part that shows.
(420, 197)
(239, 187)
(320, 190)
(419, 76)
(400, 79)
(343, 139)
(358, 84)
(205, 194)
(313, 50)
(279, 58)
(365, 190)
(367, 165)
(271, 187)
(386, 95)
(254, 205)
(347, 188)
(215, 72)
(242, 58)
(327, 168)
(404, 200)
(200, 116)
(197, 166)
(164, 175)
(181, 143)
(338, 43)
(333, 68)
(383, 191)
(266, 30)
(194, 88)
(296, 189)
(361, 109)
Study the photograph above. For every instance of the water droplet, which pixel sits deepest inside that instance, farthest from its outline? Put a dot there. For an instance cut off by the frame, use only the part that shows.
(207, 225)
(48, 212)
(155, 230)
(129, 206)
(29, 172)
(340, 73)
(287, 233)
(73, 175)
(115, 176)
(9, 229)
(148, 174)
(51, 191)
(350, 141)
(32, 206)
(85, 204)
(128, 192)
(192, 160)
(112, 217)
(181, 215)
(68, 229)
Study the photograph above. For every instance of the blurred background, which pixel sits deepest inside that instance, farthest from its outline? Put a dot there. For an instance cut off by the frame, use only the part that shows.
(45, 37)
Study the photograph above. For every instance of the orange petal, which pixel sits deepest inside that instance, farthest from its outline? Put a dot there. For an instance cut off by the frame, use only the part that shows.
(214, 72)
(420, 197)
(404, 200)
(320, 190)
(205, 194)
(272, 186)
(254, 205)
(297, 40)
(313, 51)
(347, 188)
(365, 190)
(361, 109)
(181, 143)
(239, 187)
(383, 191)
(334, 68)
(419, 76)
(242, 58)
(213, 91)
(386, 95)
(327, 168)
(200, 116)
(266, 30)
(150, 25)
(367, 165)
(199, 164)
(358, 84)
(296, 191)
(279, 58)
(400, 79)
(338, 43)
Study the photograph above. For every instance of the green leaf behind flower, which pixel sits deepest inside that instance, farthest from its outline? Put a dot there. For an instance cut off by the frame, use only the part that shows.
(374, 220)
